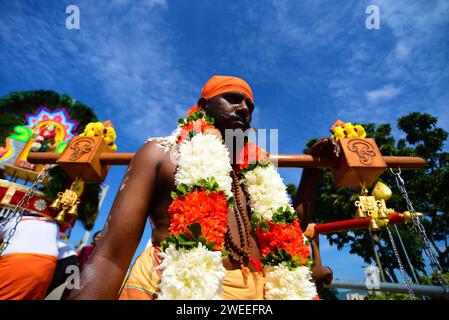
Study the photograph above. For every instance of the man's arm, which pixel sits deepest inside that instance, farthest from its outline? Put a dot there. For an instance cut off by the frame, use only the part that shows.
(104, 273)
(304, 203)
(305, 197)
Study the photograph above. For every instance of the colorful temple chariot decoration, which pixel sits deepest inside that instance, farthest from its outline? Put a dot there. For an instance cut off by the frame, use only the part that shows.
(45, 131)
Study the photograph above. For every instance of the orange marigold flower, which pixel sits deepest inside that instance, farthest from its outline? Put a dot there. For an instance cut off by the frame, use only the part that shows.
(250, 154)
(210, 210)
(283, 236)
(201, 126)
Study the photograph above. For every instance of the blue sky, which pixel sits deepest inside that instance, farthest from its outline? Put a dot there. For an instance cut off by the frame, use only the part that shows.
(142, 64)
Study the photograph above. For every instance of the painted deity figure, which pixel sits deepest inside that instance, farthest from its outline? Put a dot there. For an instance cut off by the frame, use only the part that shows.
(44, 138)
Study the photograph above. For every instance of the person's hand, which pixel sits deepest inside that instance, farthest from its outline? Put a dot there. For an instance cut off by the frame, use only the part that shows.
(325, 147)
(310, 233)
(321, 276)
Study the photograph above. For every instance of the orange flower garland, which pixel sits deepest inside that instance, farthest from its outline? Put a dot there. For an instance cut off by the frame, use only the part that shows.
(251, 154)
(210, 210)
(283, 236)
(199, 126)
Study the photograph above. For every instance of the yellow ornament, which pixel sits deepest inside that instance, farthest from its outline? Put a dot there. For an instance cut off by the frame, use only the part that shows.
(113, 148)
(89, 127)
(108, 140)
(381, 191)
(349, 130)
(339, 133)
(110, 134)
(352, 134)
(360, 131)
(98, 128)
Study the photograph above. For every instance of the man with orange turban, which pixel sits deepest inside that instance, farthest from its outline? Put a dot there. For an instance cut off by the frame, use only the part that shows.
(145, 192)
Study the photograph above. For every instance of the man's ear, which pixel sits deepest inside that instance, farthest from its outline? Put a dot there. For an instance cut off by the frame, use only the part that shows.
(202, 103)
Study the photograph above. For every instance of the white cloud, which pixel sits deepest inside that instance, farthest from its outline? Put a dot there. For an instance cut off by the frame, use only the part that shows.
(385, 93)
(409, 53)
(402, 50)
(123, 48)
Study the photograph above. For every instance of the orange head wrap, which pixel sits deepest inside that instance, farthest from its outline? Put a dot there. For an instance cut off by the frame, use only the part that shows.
(220, 84)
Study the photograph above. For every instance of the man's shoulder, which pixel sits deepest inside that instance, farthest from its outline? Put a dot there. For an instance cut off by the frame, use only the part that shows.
(153, 151)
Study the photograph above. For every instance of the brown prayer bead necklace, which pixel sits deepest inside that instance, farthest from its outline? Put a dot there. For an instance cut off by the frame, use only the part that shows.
(239, 254)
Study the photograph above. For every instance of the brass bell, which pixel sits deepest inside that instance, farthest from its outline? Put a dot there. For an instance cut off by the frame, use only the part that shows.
(74, 210)
(61, 216)
(56, 204)
(381, 214)
(360, 214)
(373, 225)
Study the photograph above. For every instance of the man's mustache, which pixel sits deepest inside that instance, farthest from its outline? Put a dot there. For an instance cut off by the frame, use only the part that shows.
(238, 118)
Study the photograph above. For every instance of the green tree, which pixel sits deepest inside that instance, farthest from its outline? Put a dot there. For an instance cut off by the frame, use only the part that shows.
(428, 190)
(13, 109)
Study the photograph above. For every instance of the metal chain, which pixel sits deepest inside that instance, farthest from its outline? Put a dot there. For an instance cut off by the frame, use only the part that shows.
(5, 214)
(419, 228)
(401, 267)
(406, 255)
(17, 213)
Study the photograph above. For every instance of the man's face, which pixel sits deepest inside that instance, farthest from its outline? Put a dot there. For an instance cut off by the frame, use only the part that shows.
(230, 110)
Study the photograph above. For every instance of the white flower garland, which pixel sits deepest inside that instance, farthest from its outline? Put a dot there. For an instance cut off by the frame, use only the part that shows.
(204, 157)
(267, 193)
(197, 273)
(282, 283)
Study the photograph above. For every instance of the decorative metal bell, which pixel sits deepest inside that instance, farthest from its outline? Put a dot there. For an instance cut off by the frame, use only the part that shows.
(61, 216)
(74, 210)
(381, 214)
(360, 214)
(56, 204)
(373, 225)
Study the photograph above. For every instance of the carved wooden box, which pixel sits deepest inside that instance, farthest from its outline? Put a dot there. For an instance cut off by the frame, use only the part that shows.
(360, 162)
(81, 158)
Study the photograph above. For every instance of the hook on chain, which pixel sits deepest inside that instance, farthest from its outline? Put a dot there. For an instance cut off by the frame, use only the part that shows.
(396, 173)
(398, 177)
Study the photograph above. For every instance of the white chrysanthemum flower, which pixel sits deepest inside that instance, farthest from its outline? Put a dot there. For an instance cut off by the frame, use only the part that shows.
(202, 157)
(195, 274)
(266, 191)
(284, 284)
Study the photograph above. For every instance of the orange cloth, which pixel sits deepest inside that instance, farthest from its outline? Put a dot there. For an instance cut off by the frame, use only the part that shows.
(237, 285)
(220, 84)
(144, 279)
(26, 276)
